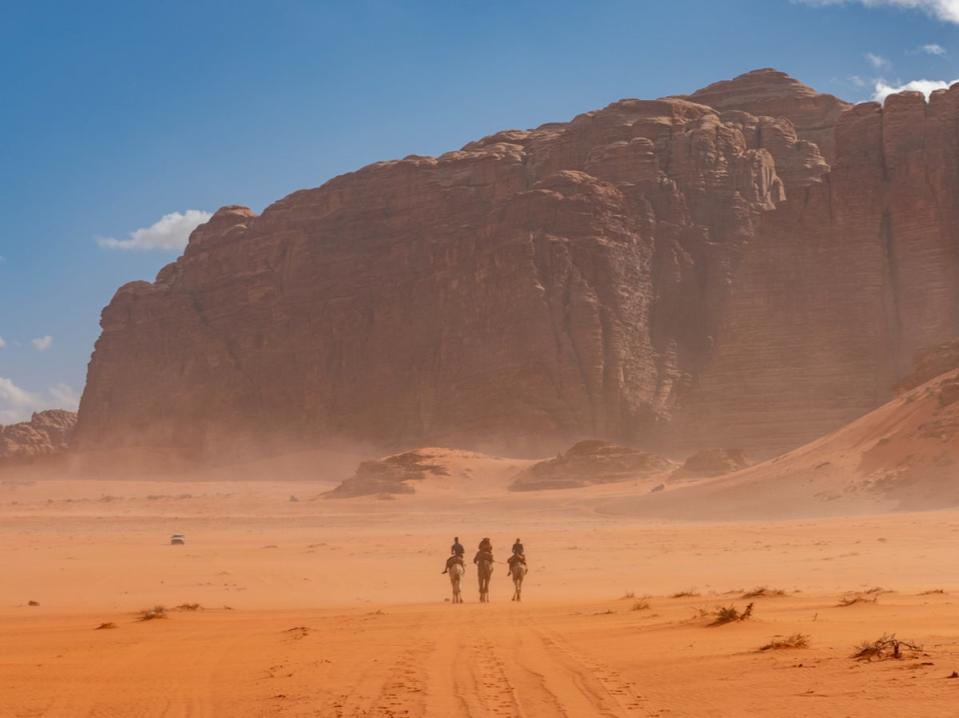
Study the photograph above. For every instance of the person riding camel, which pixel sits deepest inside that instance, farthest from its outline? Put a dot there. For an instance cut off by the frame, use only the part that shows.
(456, 554)
(519, 554)
(485, 552)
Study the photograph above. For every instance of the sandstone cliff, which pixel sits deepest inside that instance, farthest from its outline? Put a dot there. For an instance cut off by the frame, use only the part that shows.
(750, 266)
(46, 434)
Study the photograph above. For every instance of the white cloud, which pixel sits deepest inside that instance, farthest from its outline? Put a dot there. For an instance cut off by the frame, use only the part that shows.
(2, 343)
(18, 404)
(65, 396)
(945, 10)
(857, 81)
(877, 61)
(169, 233)
(933, 49)
(926, 87)
(41, 344)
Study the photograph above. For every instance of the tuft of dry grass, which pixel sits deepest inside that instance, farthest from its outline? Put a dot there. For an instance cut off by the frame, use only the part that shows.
(627, 595)
(933, 592)
(640, 605)
(105, 626)
(852, 599)
(688, 593)
(780, 643)
(152, 614)
(188, 607)
(887, 646)
(764, 592)
(32, 603)
(731, 614)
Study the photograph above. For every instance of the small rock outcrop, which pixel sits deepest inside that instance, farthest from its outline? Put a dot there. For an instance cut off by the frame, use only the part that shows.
(391, 475)
(712, 462)
(590, 462)
(46, 434)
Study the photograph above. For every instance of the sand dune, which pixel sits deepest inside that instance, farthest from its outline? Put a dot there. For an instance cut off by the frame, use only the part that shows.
(902, 456)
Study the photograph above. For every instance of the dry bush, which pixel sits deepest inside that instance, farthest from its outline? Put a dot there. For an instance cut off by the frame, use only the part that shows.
(608, 612)
(689, 593)
(640, 605)
(887, 646)
(933, 592)
(731, 614)
(852, 599)
(104, 626)
(627, 595)
(763, 592)
(188, 607)
(779, 643)
(151, 614)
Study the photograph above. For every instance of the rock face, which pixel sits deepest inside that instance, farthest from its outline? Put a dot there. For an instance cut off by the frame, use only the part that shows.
(590, 462)
(751, 266)
(46, 434)
(930, 363)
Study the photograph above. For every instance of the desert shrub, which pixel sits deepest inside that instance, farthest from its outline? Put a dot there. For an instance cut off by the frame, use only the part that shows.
(640, 605)
(731, 614)
(851, 599)
(688, 593)
(188, 607)
(764, 592)
(151, 614)
(887, 646)
(779, 643)
(105, 626)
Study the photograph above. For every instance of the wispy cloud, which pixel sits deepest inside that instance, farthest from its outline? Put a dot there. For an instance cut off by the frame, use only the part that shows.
(945, 10)
(2, 343)
(926, 87)
(65, 396)
(41, 344)
(877, 61)
(169, 233)
(933, 49)
(17, 404)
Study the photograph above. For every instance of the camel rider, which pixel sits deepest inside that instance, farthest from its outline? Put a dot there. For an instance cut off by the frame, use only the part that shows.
(456, 554)
(485, 552)
(519, 554)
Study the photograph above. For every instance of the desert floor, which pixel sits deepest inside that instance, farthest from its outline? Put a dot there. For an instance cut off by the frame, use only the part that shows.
(337, 608)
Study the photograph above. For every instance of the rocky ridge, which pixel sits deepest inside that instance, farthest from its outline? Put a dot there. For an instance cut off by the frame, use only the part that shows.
(750, 265)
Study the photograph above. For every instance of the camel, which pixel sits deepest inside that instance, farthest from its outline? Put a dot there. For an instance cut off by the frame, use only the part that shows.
(517, 572)
(484, 569)
(456, 579)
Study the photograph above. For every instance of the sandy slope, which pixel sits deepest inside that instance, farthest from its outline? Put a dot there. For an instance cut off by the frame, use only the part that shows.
(336, 608)
(902, 456)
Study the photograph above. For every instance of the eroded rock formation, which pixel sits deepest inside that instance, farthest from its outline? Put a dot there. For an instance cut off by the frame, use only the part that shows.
(46, 434)
(591, 462)
(751, 265)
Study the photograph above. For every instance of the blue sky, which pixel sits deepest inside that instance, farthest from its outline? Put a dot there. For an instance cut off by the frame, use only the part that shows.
(118, 114)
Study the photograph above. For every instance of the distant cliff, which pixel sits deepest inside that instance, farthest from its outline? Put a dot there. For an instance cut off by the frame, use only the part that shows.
(46, 434)
(751, 265)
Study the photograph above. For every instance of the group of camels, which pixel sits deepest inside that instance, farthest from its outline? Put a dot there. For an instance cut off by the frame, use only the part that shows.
(484, 570)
